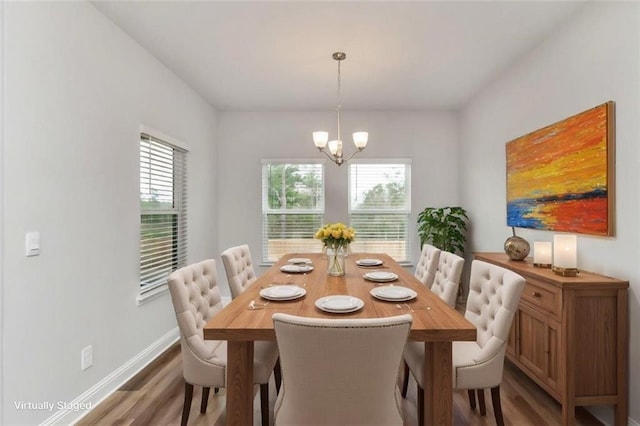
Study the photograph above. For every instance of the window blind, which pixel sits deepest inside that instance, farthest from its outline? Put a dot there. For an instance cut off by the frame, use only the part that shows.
(163, 211)
(379, 207)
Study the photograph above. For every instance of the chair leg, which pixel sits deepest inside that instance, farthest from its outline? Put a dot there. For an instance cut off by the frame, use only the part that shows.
(264, 403)
(483, 407)
(420, 405)
(497, 407)
(405, 380)
(188, 395)
(205, 399)
(277, 375)
(472, 398)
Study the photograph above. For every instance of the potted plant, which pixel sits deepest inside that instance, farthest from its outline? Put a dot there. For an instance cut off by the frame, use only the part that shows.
(443, 227)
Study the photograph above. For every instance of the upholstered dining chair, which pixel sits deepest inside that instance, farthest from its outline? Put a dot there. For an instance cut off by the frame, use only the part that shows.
(239, 268)
(494, 295)
(445, 283)
(339, 371)
(447, 277)
(427, 264)
(196, 299)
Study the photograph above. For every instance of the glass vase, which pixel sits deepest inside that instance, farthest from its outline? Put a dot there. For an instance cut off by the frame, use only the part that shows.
(335, 260)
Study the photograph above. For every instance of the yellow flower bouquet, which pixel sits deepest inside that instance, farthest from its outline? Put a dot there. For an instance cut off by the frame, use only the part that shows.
(336, 237)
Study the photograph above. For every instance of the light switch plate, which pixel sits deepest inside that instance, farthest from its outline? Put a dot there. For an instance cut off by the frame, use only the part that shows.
(32, 243)
(86, 357)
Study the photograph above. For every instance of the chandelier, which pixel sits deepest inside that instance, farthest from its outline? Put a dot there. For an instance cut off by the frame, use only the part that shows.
(321, 139)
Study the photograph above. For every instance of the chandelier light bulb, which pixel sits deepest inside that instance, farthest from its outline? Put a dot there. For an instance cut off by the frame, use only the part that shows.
(360, 139)
(320, 139)
(334, 145)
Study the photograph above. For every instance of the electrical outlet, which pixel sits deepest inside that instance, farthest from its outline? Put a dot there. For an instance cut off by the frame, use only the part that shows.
(86, 357)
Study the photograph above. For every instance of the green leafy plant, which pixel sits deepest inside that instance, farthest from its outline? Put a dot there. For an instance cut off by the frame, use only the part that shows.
(443, 227)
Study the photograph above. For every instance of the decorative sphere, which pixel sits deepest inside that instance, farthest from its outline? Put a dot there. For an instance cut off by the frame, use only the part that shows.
(517, 248)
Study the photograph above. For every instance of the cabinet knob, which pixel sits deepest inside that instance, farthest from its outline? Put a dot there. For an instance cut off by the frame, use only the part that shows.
(536, 294)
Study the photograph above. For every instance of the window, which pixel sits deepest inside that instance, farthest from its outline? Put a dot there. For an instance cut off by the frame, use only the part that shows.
(379, 206)
(292, 207)
(163, 212)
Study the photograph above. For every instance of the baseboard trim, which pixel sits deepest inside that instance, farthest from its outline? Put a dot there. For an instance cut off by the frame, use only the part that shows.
(607, 419)
(104, 388)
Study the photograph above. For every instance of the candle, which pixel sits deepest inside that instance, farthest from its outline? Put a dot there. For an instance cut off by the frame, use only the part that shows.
(542, 253)
(565, 251)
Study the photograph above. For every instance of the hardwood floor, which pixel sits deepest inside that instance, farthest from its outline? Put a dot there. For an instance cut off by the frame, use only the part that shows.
(155, 396)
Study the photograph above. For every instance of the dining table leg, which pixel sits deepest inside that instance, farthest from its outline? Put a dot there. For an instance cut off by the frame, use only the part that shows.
(438, 384)
(239, 383)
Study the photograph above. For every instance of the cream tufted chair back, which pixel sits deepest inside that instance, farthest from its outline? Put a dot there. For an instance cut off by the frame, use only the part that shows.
(427, 264)
(339, 371)
(196, 299)
(494, 295)
(447, 277)
(239, 268)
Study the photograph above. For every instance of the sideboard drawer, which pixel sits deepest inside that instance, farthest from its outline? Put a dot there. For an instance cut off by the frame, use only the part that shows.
(543, 296)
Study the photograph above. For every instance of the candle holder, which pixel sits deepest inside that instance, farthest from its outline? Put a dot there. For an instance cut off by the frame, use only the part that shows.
(542, 254)
(565, 272)
(565, 255)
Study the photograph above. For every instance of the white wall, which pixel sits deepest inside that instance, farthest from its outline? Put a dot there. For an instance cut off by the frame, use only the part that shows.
(428, 138)
(592, 59)
(76, 90)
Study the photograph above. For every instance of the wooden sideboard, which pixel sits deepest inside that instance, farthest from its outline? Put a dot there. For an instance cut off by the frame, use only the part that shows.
(570, 336)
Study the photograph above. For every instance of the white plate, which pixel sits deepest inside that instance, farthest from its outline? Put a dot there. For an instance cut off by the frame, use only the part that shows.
(299, 260)
(369, 262)
(283, 292)
(393, 293)
(339, 304)
(380, 276)
(296, 269)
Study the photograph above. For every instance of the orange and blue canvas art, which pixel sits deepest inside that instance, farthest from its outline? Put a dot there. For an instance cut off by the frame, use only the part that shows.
(560, 177)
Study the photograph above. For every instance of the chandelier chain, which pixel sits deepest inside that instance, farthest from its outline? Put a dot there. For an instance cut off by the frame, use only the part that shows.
(339, 100)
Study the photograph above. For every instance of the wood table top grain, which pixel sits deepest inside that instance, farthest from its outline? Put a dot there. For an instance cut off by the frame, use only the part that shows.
(433, 320)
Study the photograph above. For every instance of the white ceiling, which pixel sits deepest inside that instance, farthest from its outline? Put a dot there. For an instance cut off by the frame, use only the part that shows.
(265, 55)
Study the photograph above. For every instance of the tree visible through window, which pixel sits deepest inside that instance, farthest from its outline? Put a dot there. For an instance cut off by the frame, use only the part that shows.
(379, 207)
(292, 207)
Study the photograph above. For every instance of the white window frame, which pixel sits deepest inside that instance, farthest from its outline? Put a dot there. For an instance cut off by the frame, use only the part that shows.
(319, 210)
(405, 211)
(157, 284)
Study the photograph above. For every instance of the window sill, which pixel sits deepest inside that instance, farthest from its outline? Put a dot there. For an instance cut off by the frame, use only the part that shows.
(151, 294)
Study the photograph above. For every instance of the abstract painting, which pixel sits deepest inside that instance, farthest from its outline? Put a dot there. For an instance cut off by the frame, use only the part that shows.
(560, 177)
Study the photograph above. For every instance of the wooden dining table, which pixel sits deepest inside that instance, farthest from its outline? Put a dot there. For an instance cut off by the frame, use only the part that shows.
(434, 323)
